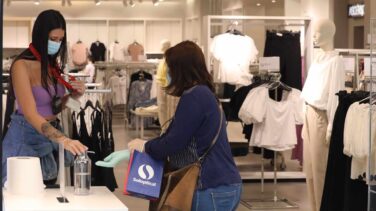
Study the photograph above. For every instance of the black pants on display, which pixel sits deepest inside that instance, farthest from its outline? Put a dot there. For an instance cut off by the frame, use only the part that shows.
(340, 191)
(286, 45)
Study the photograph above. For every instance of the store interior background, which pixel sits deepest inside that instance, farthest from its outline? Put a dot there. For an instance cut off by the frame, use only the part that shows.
(178, 20)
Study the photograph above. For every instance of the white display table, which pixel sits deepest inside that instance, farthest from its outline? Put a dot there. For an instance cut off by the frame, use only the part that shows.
(140, 120)
(100, 199)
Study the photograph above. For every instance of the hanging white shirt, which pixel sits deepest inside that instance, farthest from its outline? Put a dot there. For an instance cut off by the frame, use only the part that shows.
(117, 52)
(356, 138)
(274, 123)
(234, 54)
(326, 77)
(90, 71)
(118, 86)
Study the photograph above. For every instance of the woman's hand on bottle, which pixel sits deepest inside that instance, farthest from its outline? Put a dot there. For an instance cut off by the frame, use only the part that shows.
(74, 146)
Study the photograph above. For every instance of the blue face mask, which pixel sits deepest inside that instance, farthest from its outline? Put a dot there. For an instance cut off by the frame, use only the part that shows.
(53, 47)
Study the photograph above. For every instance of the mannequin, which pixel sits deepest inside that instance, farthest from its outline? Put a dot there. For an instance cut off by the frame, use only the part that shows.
(323, 34)
(166, 103)
(324, 80)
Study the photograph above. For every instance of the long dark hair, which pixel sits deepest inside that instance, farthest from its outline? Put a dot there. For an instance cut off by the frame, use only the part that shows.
(46, 21)
(187, 68)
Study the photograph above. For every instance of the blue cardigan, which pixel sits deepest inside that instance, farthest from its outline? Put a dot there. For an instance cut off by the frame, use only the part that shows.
(197, 116)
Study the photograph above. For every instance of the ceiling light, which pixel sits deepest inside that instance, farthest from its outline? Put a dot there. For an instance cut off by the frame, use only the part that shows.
(125, 3)
(37, 2)
(274, 1)
(69, 2)
(155, 2)
(132, 3)
(258, 4)
(98, 2)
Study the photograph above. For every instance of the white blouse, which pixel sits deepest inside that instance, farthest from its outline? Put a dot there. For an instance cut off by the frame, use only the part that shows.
(117, 52)
(356, 139)
(274, 123)
(326, 77)
(234, 54)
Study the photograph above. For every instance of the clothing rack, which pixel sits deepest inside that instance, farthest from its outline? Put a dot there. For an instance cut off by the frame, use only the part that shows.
(126, 65)
(220, 20)
(98, 91)
(358, 54)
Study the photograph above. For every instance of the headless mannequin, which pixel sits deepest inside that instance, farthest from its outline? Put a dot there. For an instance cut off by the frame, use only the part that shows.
(324, 31)
(166, 103)
(325, 79)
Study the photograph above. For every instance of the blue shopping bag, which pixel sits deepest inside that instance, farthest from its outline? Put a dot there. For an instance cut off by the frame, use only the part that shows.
(144, 176)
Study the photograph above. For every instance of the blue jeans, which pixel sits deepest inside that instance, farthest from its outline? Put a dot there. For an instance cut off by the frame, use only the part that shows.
(23, 140)
(221, 198)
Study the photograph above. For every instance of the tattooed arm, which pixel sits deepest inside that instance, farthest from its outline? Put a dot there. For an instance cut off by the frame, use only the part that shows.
(21, 75)
(53, 134)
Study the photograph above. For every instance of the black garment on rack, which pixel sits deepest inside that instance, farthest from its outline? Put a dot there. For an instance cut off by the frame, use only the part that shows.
(107, 147)
(96, 138)
(287, 48)
(340, 191)
(98, 51)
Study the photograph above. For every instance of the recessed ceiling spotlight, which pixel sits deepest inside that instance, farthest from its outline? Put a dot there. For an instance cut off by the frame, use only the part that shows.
(155, 2)
(258, 4)
(37, 2)
(98, 2)
(274, 1)
(132, 3)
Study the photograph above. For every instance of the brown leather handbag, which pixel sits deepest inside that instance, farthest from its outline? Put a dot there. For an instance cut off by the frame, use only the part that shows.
(179, 186)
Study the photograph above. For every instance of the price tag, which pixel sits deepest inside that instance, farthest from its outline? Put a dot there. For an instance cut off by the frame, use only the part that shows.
(270, 64)
(349, 64)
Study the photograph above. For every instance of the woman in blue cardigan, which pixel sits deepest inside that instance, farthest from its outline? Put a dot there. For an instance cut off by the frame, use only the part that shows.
(193, 128)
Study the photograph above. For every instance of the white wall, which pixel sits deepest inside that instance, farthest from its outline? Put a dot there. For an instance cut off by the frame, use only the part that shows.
(293, 8)
(318, 9)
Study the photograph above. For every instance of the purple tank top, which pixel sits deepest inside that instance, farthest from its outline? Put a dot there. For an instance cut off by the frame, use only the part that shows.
(43, 99)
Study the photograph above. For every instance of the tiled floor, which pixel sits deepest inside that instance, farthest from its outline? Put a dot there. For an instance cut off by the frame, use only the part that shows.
(295, 192)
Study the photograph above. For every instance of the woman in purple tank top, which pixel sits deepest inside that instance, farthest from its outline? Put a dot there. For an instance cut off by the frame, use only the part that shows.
(34, 129)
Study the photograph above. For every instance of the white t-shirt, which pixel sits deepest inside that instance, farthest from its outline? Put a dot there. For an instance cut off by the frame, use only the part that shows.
(118, 86)
(234, 54)
(117, 52)
(356, 138)
(326, 77)
(89, 70)
(274, 123)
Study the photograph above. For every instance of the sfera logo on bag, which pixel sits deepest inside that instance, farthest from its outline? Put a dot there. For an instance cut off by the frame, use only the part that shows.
(146, 172)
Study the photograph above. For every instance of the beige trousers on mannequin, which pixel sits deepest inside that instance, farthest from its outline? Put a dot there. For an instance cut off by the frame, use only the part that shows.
(166, 107)
(315, 152)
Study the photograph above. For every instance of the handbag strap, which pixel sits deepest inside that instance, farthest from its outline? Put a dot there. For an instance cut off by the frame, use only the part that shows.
(216, 135)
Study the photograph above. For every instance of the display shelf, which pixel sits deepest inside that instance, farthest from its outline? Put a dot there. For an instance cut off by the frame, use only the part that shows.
(147, 31)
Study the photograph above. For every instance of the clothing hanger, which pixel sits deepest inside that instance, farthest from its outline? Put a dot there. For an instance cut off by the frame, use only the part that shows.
(116, 41)
(89, 104)
(79, 41)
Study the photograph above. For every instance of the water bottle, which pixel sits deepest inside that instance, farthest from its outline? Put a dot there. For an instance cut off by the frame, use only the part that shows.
(82, 174)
